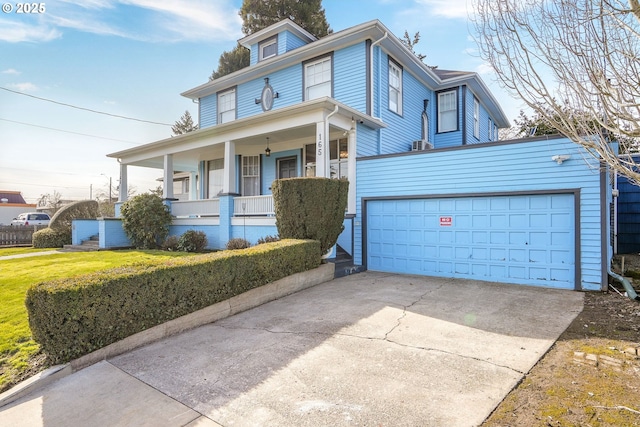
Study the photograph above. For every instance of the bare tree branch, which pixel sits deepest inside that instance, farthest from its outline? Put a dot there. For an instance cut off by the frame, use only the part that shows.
(573, 62)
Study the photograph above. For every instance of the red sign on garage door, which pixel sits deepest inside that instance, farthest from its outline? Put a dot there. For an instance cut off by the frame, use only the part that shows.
(446, 221)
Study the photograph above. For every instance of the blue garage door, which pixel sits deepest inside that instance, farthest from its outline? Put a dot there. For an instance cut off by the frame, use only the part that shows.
(523, 239)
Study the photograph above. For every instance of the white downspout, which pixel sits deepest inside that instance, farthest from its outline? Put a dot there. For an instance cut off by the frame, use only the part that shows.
(372, 70)
(327, 151)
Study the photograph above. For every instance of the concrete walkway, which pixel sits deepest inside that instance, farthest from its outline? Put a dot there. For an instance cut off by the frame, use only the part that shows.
(370, 349)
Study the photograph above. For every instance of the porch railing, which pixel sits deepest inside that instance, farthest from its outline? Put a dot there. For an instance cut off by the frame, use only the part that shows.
(196, 208)
(253, 205)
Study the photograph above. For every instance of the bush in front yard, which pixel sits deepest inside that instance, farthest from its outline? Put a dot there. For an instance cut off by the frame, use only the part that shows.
(75, 316)
(192, 241)
(50, 238)
(171, 244)
(146, 220)
(237, 243)
(310, 208)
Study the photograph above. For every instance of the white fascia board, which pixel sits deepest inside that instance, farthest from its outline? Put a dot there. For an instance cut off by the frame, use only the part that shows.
(293, 116)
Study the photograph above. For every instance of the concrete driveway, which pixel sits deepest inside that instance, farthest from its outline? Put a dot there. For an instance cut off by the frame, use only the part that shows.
(371, 349)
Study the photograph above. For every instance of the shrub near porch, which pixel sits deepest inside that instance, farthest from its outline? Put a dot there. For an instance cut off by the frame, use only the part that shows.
(73, 317)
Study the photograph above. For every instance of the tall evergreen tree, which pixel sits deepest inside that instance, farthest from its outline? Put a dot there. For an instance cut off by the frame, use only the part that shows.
(259, 14)
(184, 125)
(309, 14)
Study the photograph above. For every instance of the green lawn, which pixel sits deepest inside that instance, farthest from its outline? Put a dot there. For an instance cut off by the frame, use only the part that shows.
(18, 351)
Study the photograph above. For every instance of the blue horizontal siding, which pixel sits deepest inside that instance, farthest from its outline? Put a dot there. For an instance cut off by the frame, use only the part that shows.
(502, 168)
(350, 76)
(288, 41)
(208, 110)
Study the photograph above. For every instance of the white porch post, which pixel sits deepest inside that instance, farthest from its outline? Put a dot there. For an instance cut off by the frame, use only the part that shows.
(323, 167)
(351, 168)
(167, 190)
(229, 180)
(123, 192)
(193, 187)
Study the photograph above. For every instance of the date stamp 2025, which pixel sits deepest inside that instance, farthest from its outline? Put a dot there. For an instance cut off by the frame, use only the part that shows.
(24, 8)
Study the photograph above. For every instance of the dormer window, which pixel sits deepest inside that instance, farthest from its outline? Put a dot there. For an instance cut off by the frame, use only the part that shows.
(268, 48)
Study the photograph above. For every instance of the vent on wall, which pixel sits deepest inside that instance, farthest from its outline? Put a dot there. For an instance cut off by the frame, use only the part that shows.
(421, 144)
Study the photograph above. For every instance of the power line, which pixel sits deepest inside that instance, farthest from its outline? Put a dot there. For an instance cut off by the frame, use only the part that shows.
(68, 131)
(86, 109)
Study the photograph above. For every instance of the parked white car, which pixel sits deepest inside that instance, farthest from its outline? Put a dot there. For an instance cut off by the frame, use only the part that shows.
(31, 218)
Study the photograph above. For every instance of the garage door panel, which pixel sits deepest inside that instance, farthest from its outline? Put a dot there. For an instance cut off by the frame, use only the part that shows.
(526, 239)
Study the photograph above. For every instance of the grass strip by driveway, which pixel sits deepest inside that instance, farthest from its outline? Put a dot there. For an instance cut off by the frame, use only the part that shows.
(18, 352)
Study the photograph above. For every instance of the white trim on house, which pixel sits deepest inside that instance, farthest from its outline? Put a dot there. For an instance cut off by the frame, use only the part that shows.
(273, 30)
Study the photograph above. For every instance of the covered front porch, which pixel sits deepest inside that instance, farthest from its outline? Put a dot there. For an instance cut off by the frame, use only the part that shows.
(231, 166)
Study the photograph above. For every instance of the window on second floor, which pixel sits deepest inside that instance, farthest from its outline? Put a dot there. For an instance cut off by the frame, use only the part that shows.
(226, 106)
(268, 48)
(317, 78)
(490, 126)
(447, 111)
(395, 87)
(476, 118)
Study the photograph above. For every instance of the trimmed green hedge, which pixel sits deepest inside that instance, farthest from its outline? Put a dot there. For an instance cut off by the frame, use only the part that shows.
(310, 208)
(73, 317)
(50, 238)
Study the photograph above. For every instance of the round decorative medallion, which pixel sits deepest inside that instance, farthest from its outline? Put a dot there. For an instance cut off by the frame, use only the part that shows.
(267, 97)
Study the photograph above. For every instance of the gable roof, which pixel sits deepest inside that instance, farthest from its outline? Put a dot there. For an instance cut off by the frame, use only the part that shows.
(14, 197)
(274, 29)
(378, 33)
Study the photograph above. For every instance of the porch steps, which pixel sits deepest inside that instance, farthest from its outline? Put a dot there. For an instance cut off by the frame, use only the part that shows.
(86, 246)
(344, 264)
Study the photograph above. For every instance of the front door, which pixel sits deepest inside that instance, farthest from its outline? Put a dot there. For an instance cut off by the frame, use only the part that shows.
(287, 168)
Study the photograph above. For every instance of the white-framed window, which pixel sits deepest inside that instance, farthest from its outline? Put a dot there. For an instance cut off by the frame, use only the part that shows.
(317, 78)
(227, 106)
(338, 155)
(395, 87)
(476, 118)
(215, 177)
(268, 48)
(250, 175)
(447, 111)
(490, 126)
(496, 135)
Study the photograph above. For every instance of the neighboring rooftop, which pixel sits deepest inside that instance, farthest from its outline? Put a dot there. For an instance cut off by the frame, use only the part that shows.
(14, 197)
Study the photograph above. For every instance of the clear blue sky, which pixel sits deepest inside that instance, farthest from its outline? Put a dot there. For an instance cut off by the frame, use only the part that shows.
(133, 58)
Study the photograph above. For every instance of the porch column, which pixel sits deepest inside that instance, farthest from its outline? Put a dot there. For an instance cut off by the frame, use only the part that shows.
(167, 190)
(229, 180)
(323, 167)
(351, 171)
(123, 192)
(193, 187)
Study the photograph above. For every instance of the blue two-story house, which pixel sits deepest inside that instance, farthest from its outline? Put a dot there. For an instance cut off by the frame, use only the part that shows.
(432, 190)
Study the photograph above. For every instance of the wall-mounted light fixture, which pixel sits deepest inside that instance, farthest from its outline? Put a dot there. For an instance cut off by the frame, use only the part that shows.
(559, 158)
(267, 150)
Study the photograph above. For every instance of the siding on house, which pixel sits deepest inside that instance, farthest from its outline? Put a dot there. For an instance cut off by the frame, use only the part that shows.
(453, 138)
(288, 41)
(368, 140)
(208, 109)
(350, 76)
(493, 168)
(403, 129)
